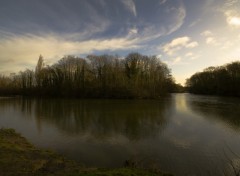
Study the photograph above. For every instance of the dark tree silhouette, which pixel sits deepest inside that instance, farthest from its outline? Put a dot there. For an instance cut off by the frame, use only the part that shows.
(104, 76)
(223, 80)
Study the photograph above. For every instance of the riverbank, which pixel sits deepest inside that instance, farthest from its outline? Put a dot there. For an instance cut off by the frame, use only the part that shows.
(19, 157)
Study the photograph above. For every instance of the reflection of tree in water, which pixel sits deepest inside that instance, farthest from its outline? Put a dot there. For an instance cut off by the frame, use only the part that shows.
(25, 105)
(218, 108)
(101, 118)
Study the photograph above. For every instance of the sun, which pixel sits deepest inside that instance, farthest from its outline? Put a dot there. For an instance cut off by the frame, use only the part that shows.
(235, 21)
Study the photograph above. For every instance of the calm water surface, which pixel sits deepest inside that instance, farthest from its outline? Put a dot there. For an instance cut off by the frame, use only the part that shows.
(184, 134)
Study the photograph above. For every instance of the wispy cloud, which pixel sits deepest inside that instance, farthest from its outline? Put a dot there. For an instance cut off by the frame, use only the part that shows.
(133, 32)
(177, 61)
(130, 5)
(230, 3)
(162, 2)
(195, 22)
(211, 41)
(207, 33)
(210, 38)
(191, 56)
(192, 45)
(180, 16)
(178, 44)
(24, 50)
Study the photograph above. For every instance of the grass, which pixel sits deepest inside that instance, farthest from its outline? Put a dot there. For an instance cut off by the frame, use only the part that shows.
(19, 157)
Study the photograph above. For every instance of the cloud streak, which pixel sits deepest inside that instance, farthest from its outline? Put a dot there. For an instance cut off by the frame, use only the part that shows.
(178, 44)
(162, 2)
(130, 6)
(20, 50)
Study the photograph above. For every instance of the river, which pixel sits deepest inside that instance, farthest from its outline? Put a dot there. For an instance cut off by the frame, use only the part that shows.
(183, 134)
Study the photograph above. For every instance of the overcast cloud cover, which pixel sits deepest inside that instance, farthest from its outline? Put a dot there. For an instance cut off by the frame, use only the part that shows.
(188, 35)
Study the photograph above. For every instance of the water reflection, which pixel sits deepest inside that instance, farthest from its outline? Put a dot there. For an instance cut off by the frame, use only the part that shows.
(99, 118)
(183, 134)
(226, 110)
(181, 102)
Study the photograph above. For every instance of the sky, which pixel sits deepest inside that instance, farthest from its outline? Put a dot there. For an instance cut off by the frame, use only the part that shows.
(188, 35)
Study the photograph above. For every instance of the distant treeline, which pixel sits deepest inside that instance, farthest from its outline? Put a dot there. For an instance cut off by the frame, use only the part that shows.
(104, 76)
(223, 80)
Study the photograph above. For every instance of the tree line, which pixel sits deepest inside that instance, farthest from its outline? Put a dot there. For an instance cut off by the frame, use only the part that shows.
(103, 76)
(222, 80)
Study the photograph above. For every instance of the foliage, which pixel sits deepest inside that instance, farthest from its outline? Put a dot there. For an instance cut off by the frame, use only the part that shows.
(105, 76)
(223, 80)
